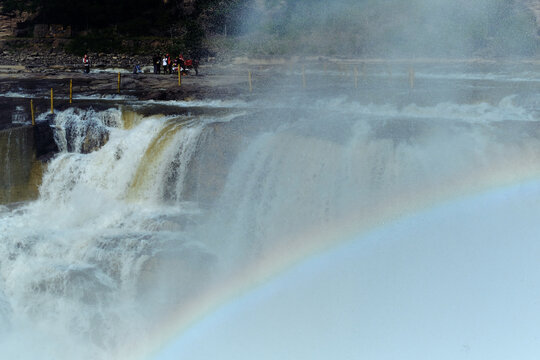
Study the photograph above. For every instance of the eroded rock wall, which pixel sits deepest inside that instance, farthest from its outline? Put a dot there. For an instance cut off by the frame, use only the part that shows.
(20, 171)
(24, 151)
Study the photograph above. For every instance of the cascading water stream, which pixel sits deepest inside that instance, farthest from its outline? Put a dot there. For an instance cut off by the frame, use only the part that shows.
(309, 175)
(118, 238)
(71, 269)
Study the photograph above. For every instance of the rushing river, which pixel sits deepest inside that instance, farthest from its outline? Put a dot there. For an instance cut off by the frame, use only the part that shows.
(184, 231)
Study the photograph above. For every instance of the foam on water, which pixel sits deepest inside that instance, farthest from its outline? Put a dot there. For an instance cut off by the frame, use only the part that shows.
(233, 104)
(116, 97)
(110, 97)
(11, 94)
(504, 110)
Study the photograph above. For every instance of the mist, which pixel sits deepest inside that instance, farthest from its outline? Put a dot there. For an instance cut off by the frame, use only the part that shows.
(391, 28)
(449, 283)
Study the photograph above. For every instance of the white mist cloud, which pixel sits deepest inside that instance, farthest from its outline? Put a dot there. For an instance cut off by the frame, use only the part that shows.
(458, 282)
(391, 27)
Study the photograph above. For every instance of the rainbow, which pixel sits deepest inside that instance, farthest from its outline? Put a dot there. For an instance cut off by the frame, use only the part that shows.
(321, 240)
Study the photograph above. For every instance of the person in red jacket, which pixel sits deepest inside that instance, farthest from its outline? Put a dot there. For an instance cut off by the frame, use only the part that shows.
(86, 63)
(169, 64)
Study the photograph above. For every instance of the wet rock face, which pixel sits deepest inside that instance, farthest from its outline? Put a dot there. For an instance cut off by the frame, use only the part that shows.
(12, 24)
(20, 172)
(45, 147)
(92, 140)
(85, 136)
(91, 144)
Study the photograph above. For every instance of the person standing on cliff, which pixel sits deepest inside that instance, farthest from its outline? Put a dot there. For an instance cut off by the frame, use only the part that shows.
(86, 63)
(164, 63)
(181, 63)
(169, 64)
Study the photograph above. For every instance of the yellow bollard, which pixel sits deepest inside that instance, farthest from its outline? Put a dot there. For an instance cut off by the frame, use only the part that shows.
(179, 77)
(119, 83)
(411, 77)
(52, 101)
(303, 77)
(70, 91)
(249, 80)
(32, 112)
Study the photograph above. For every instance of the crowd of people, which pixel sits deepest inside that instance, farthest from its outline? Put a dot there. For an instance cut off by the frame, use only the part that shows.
(164, 64)
(173, 65)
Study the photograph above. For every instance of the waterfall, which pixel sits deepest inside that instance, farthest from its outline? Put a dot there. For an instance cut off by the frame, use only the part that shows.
(139, 214)
(74, 261)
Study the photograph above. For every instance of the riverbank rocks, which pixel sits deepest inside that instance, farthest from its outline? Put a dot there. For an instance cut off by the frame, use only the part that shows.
(42, 54)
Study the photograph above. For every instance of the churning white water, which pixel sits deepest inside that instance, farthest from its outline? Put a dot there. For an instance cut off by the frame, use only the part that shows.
(139, 214)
